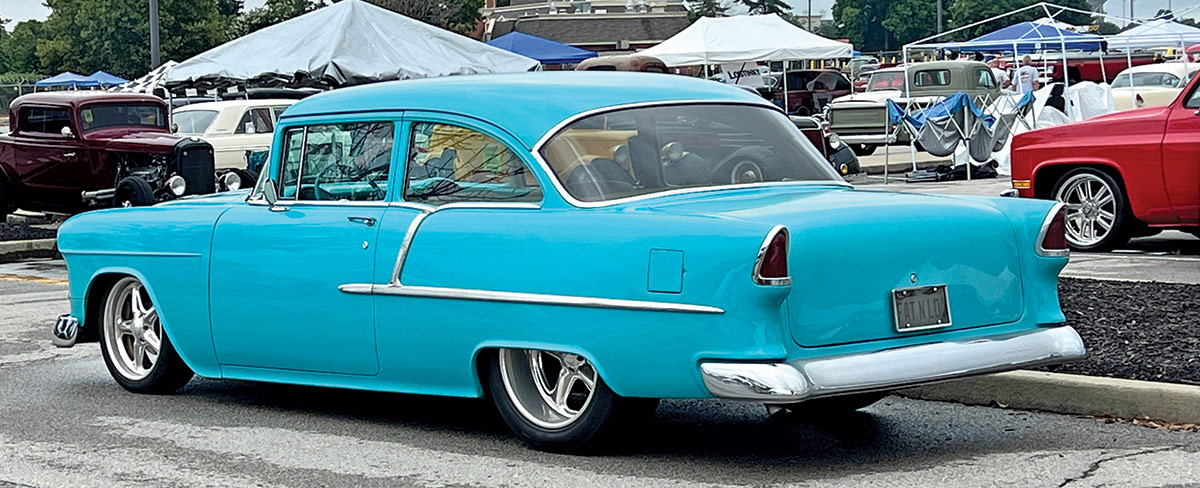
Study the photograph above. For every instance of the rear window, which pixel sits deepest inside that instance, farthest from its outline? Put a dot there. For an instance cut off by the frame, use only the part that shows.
(890, 80)
(44, 120)
(932, 77)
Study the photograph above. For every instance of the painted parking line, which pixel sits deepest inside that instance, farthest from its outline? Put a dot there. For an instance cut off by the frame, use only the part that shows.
(32, 279)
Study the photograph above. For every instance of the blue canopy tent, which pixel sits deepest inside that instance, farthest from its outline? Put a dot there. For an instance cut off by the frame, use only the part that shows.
(105, 79)
(1028, 37)
(68, 78)
(541, 49)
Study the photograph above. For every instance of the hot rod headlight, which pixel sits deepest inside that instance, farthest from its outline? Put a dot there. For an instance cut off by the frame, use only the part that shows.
(834, 140)
(231, 181)
(177, 185)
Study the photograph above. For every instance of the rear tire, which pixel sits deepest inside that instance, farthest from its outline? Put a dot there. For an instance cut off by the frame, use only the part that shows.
(863, 149)
(136, 350)
(838, 405)
(574, 420)
(133, 191)
(1098, 217)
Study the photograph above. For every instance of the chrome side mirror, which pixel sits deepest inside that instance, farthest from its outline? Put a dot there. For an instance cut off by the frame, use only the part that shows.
(66, 131)
(271, 195)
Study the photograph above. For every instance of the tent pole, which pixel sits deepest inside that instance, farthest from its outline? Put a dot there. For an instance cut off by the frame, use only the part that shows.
(1129, 64)
(912, 138)
(1066, 72)
(785, 88)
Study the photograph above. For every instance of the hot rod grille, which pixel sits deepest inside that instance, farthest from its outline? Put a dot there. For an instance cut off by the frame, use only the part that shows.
(193, 160)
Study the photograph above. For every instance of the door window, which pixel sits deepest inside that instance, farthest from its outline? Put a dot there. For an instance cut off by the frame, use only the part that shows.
(255, 121)
(337, 162)
(448, 163)
(983, 78)
(44, 120)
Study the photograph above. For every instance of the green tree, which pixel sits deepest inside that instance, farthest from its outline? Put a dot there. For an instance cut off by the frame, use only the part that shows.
(707, 8)
(763, 7)
(861, 21)
(20, 47)
(910, 20)
(966, 12)
(230, 8)
(114, 35)
(460, 16)
(1167, 14)
(272, 12)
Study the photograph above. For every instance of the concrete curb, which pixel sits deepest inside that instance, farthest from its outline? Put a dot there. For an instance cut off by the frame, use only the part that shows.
(1071, 394)
(14, 250)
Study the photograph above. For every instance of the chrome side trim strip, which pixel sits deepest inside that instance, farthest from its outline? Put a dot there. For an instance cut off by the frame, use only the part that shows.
(529, 298)
(406, 244)
(90, 252)
(756, 275)
(1048, 253)
(892, 368)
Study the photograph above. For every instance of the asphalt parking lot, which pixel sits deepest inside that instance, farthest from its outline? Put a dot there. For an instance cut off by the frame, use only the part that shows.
(64, 422)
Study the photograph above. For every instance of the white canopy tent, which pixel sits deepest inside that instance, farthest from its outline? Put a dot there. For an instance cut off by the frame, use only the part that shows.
(744, 38)
(347, 43)
(1155, 33)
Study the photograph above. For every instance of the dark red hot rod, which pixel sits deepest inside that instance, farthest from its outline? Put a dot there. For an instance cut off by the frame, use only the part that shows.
(67, 152)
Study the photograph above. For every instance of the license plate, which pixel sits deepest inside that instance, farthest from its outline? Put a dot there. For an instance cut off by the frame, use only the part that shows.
(920, 308)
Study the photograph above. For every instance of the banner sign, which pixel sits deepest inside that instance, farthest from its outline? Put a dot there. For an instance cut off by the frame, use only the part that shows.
(744, 74)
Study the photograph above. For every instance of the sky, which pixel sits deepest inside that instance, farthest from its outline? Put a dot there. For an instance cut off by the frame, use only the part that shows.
(19, 10)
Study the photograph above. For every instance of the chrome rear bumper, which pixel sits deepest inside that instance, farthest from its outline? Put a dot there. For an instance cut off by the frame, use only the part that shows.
(877, 139)
(889, 369)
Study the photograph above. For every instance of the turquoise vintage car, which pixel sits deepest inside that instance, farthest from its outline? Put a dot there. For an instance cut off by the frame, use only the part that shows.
(578, 245)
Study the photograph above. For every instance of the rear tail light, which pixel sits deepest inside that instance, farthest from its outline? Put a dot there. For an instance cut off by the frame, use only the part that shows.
(1052, 240)
(771, 267)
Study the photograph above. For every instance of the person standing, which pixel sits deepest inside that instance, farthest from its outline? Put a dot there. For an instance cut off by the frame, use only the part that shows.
(998, 73)
(1026, 76)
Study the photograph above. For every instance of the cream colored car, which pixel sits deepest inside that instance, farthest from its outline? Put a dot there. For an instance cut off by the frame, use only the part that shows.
(1153, 84)
(232, 127)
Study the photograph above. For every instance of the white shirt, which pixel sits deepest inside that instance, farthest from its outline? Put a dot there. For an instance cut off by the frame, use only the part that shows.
(1000, 75)
(1025, 76)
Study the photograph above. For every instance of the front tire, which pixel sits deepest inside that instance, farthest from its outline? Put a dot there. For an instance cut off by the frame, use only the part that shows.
(557, 402)
(6, 200)
(133, 191)
(863, 149)
(1097, 210)
(137, 352)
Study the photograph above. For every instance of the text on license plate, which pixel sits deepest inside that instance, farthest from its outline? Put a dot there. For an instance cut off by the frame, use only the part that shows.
(920, 308)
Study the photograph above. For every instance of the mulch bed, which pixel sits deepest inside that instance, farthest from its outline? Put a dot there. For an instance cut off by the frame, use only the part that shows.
(1140, 331)
(20, 232)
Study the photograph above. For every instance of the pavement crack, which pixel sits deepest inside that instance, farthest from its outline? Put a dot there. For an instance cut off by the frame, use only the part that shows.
(1095, 466)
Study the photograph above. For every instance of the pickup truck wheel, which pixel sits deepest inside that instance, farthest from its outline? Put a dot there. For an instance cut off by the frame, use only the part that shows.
(133, 191)
(136, 351)
(863, 149)
(556, 401)
(1097, 211)
(824, 407)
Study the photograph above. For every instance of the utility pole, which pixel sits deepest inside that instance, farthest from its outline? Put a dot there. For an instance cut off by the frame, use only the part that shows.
(940, 30)
(810, 15)
(154, 55)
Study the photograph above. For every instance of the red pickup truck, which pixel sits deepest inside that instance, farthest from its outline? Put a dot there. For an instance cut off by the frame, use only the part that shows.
(1122, 175)
(67, 152)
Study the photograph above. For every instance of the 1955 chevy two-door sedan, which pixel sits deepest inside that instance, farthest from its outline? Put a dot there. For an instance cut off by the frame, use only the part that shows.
(593, 243)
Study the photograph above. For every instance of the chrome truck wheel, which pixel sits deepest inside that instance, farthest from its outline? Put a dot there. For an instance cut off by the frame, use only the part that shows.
(1095, 209)
(135, 348)
(557, 401)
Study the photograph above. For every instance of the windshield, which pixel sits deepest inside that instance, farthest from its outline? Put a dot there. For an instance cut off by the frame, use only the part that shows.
(1146, 79)
(123, 115)
(648, 150)
(888, 80)
(194, 121)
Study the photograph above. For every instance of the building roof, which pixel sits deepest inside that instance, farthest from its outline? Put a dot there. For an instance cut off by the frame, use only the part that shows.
(527, 105)
(596, 29)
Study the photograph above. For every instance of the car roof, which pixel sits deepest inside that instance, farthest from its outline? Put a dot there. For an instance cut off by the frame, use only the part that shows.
(76, 98)
(227, 104)
(1176, 68)
(527, 105)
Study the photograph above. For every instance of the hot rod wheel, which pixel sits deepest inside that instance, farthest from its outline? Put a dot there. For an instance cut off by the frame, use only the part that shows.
(134, 344)
(1096, 210)
(133, 191)
(557, 401)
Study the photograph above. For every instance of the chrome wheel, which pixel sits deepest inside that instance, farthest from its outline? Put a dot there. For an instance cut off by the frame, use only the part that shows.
(132, 331)
(549, 389)
(1091, 209)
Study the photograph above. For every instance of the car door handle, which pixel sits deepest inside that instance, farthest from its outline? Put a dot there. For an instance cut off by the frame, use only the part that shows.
(367, 221)
(69, 155)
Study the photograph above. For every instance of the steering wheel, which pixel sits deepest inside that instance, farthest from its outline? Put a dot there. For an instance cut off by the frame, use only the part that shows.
(344, 172)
